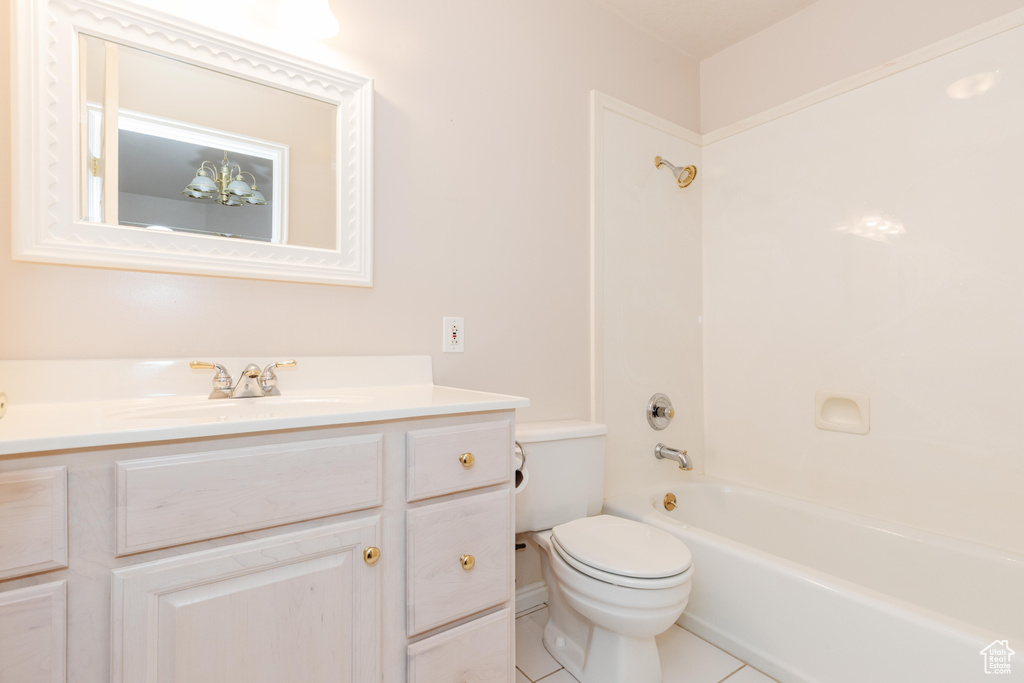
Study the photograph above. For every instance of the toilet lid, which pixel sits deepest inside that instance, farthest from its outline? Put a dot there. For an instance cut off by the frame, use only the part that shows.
(623, 547)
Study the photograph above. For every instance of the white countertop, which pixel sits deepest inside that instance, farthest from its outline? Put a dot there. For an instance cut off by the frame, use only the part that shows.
(115, 409)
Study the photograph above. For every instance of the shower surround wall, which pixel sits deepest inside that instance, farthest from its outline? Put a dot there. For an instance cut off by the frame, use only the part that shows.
(647, 252)
(872, 243)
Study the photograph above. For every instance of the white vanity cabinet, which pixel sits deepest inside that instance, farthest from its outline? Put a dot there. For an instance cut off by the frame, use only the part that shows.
(329, 554)
(478, 651)
(459, 563)
(295, 607)
(165, 501)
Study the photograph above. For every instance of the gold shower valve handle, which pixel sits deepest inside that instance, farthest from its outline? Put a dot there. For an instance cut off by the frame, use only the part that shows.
(371, 555)
(467, 460)
(467, 562)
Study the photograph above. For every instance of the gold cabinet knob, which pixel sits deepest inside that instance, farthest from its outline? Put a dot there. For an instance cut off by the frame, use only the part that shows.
(467, 460)
(468, 562)
(371, 555)
(670, 501)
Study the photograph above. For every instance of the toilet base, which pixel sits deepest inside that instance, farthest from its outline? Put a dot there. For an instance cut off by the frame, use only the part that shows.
(584, 643)
(609, 657)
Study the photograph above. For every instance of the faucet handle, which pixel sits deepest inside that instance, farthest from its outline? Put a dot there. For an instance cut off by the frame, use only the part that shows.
(660, 411)
(221, 382)
(268, 380)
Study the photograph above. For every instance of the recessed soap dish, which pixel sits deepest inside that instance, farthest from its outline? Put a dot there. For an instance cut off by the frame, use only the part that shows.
(841, 411)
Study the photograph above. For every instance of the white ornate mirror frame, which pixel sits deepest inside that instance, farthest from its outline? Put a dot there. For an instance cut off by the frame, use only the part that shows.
(47, 226)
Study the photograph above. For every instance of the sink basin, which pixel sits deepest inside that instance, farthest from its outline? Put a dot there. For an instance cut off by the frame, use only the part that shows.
(242, 408)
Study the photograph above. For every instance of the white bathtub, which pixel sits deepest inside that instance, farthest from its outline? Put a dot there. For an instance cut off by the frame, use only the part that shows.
(809, 594)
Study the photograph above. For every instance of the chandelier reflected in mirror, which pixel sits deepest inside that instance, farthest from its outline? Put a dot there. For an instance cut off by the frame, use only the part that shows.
(226, 186)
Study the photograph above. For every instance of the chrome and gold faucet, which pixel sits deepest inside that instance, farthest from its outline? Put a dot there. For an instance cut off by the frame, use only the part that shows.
(252, 383)
(663, 452)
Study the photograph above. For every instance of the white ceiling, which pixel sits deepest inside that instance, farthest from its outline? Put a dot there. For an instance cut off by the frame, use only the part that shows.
(701, 28)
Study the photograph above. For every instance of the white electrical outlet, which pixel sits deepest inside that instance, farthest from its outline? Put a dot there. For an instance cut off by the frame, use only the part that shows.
(454, 335)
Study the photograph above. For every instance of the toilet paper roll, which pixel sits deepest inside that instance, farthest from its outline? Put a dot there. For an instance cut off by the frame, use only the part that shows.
(522, 475)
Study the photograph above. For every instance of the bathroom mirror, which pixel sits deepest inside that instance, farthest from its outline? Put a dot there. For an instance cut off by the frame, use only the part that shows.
(147, 142)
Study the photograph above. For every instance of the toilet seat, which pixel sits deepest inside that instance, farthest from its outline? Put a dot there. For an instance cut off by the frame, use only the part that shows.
(622, 552)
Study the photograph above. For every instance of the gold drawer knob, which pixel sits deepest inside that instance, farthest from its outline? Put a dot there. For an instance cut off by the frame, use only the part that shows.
(371, 555)
(468, 562)
(467, 460)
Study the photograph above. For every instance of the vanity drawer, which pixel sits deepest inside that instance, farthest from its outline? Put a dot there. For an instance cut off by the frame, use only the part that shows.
(439, 589)
(180, 499)
(477, 652)
(33, 521)
(434, 458)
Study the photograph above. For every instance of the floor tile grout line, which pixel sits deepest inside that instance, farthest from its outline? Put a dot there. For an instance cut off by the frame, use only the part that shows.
(712, 645)
(561, 668)
(525, 614)
(537, 608)
(733, 673)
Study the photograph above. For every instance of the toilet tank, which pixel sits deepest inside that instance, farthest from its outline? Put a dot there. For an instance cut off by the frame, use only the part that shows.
(564, 473)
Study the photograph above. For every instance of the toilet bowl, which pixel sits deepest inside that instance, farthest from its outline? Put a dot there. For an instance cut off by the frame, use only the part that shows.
(608, 600)
(613, 584)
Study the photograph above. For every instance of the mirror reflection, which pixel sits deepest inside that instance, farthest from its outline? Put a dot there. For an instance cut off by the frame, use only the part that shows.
(171, 146)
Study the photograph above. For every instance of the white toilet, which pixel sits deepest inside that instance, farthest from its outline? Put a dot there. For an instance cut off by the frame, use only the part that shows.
(613, 584)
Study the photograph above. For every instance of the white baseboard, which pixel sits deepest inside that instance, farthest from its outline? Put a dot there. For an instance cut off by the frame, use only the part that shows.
(529, 597)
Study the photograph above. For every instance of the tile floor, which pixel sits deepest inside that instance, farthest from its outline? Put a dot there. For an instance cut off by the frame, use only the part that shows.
(685, 658)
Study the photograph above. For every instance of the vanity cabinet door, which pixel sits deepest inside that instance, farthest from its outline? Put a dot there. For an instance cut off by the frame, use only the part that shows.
(33, 634)
(298, 607)
(33, 521)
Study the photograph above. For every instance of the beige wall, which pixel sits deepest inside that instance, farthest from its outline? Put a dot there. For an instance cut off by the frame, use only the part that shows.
(826, 42)
(482, 210)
